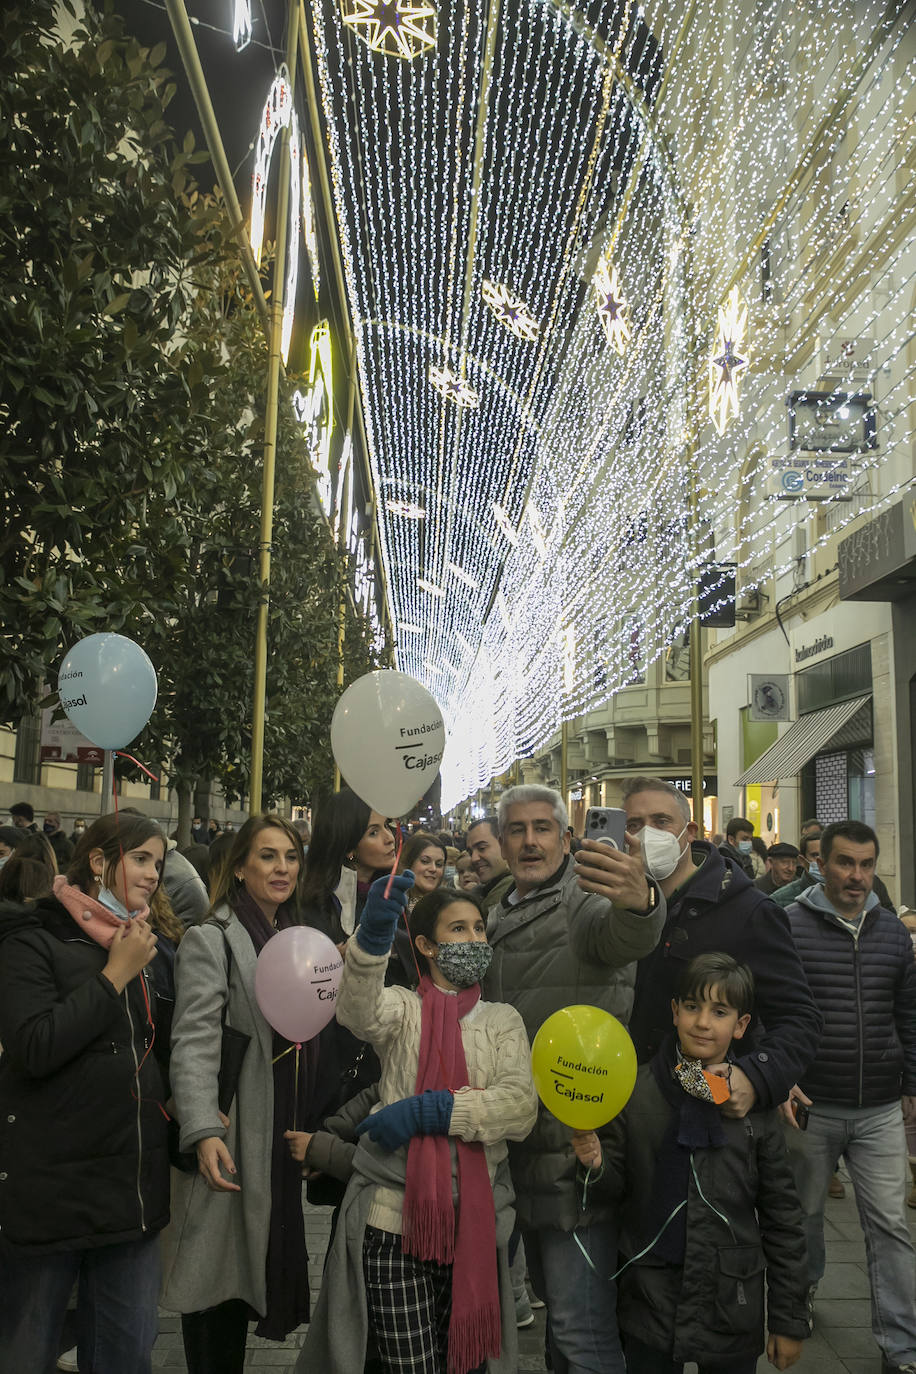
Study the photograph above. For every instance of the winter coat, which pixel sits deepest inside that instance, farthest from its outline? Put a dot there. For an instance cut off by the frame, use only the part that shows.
(865, 988)
(82, 1138)
(720, 909)
(216, 1247)
(491, 893)
(184, 888)
(785, 896)
(743, 861)
(712, 1306)
(558, 947)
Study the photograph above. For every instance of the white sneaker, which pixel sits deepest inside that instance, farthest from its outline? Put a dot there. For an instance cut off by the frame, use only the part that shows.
(67, 1361)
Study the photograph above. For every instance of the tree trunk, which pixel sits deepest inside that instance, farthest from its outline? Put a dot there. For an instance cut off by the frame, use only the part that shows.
(184, 791)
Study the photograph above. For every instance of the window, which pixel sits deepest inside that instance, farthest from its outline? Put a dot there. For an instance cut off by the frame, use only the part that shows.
(835, 679)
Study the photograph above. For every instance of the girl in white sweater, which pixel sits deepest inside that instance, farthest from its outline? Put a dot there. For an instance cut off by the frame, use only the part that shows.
(426, 1219)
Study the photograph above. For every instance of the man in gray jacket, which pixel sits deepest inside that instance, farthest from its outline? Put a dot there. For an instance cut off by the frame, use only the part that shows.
(569, 931)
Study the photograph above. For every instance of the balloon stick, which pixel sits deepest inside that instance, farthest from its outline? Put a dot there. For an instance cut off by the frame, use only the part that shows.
(107, 782)
(296, 1088)
(397, 860)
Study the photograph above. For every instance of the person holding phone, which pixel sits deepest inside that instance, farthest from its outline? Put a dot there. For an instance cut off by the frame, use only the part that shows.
(85, 1183)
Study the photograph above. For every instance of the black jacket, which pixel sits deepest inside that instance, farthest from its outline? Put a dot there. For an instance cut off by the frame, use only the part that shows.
(83, 1156)
(720, 909)
(865, 989)
(711, 1307)
(743, 861)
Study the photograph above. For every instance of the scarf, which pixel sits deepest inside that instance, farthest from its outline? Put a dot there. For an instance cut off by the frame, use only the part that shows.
(695, 1124)
(93, 919)
(429, 1227)
(287, 1256)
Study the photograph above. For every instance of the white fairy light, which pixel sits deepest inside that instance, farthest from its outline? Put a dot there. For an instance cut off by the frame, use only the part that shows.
(409, 509)
(309, 229)
(441, 185)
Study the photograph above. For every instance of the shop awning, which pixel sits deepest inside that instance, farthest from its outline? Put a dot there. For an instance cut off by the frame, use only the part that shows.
(808, 736)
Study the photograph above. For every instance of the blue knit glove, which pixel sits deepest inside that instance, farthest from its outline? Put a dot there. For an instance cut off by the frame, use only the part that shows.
(428, 1113)
(381, 914)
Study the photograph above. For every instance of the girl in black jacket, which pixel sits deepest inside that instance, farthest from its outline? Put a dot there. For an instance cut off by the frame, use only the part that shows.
(84, 1177)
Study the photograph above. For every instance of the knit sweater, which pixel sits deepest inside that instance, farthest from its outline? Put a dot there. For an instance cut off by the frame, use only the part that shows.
(500, 1102)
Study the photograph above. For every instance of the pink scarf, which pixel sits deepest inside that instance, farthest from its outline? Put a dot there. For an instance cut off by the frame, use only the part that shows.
(92, 918)
(429, 1228)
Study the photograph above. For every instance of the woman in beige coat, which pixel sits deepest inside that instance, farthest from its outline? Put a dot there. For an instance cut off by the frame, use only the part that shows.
(236, 1248)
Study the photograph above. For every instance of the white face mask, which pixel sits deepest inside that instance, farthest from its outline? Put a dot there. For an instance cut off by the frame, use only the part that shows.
(114, 904)
(661, 851)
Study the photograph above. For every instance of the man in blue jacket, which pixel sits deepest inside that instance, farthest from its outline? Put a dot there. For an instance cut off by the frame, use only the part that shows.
(713, 905)
(862, 1083)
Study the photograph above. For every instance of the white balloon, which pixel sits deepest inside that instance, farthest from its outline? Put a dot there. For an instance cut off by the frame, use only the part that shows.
(387, 735)
(108, 689)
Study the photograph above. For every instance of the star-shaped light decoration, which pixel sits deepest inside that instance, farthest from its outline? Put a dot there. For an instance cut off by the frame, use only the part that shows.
(613, 309)
(409, 509)
(729, 359)
(510, 311)
(397, 28)
(452, 388)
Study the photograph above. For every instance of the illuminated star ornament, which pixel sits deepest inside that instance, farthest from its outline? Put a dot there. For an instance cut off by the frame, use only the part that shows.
(409, 509)
(613, 309)
(394, 27)
(728, 361)
(510, 311)
(241, 24)
(454, 389)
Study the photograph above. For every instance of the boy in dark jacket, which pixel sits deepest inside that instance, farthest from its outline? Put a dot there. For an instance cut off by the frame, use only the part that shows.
(707, 1202)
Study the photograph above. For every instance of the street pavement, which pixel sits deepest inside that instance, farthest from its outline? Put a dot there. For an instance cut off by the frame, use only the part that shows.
(842, 1342)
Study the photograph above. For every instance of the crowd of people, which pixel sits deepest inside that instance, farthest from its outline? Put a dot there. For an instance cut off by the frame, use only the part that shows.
(157, 1135)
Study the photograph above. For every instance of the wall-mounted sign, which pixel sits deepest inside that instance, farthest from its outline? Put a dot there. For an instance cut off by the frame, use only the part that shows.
(804, 478)
(831, 422)
(820, 646)
(685, 785)
(769, 696)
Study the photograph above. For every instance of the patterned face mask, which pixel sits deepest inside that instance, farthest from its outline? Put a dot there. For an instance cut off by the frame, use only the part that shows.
(463, 962)
(696, 1081)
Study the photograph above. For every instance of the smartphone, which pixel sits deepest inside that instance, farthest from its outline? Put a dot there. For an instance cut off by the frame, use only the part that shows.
(608, 824)
(800, 1112)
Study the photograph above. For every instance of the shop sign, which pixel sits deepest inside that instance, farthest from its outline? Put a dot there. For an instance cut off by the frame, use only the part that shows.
(820, 646)
(685, 785)
(818, 479)
(769, 696)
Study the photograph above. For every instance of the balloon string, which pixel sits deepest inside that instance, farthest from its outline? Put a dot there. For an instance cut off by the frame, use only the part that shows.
(296, 1087)
(397, 860)
(120, 754)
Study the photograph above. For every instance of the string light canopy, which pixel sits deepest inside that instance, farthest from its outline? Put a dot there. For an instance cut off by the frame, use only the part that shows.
(394, 27)
(537, 146)
(728, 361)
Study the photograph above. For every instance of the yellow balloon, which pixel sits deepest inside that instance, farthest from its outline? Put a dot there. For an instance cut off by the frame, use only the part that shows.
(584, 1066)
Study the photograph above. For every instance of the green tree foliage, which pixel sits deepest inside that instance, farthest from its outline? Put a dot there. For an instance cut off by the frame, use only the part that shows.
(132, 379)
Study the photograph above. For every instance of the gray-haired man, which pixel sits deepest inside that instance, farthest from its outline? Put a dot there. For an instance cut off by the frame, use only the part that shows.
(568, 931)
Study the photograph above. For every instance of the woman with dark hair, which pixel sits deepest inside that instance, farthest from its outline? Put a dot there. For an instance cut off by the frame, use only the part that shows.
(350, 846)
(237, 1248)
(425, 856)
(29, 871)
(82, 1129)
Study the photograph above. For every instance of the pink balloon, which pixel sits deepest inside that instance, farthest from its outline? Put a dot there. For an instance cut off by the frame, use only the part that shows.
(296, 981)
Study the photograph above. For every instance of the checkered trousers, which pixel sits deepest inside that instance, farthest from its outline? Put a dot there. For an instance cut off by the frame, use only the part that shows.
(409, 1302)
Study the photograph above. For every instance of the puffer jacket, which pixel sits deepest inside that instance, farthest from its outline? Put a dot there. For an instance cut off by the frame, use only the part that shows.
(744, 1232)
(560, 947)
(83, 1148)
(865, 987)
(720, 909)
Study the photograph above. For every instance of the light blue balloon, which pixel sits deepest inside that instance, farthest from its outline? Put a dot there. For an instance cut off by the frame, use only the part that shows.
(107, 688)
